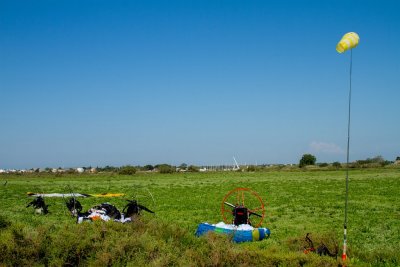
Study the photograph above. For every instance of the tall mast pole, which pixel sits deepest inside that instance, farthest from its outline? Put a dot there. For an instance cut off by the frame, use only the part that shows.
(344, 255)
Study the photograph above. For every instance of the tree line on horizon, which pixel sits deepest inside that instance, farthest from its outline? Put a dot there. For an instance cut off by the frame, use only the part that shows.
(305, 161)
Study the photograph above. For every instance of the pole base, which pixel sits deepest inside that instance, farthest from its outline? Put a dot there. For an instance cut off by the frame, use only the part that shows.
(344, 256)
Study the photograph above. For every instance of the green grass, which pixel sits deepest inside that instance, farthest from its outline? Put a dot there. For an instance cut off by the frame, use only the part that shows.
(298, 202)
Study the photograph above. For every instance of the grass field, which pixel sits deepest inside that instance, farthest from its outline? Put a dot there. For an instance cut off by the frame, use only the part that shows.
(298, 202)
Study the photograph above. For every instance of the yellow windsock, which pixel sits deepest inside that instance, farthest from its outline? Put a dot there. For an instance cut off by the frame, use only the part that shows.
(348, 41)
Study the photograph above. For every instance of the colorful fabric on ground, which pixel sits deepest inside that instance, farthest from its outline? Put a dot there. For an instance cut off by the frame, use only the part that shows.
(57, 195)
(242, 233)
(108, 195)
(75, 195)
(99, 215)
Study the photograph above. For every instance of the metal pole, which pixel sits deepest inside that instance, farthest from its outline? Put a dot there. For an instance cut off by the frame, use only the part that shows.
(344, 255)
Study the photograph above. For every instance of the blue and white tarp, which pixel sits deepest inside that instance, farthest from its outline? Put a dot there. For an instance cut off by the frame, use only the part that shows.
(241, 233)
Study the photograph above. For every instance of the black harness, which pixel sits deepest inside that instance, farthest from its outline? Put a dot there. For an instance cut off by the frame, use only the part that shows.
(74, 206)
(133, 208)
(240, 215)
(321, 250)
(39, 205)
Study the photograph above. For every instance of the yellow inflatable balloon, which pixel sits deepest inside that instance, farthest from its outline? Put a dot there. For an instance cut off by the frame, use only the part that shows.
(348, 41)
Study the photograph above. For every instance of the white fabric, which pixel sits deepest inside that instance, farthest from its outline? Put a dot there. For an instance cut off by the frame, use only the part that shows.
(241, 227)
(59, 195)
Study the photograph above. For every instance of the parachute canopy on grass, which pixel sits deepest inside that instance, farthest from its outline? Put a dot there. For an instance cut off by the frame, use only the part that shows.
(74, 195)
(348, 41)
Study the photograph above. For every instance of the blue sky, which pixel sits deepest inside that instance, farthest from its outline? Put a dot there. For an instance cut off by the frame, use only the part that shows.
(145, 82)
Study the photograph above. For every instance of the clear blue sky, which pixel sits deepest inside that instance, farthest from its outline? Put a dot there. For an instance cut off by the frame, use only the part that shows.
(145, 82)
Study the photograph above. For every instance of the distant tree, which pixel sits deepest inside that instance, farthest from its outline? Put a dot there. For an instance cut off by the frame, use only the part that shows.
(251, 168)
(372, 162)
(323, 164)
(378, 159)
(307, 159)
(87, 168)
(165, 168)
(108, 169)
(148, 167)
(71, 171)
(127, 170)
(387, 162)
(336, 164)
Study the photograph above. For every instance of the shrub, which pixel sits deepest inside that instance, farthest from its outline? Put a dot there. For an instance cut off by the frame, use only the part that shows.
(374, 162)
(251, 168)
(336, 164)
(193, 168)
(307, 159)
(148, 167)
(107, 169)
(127, 170)
(165, 168)
(4, 223)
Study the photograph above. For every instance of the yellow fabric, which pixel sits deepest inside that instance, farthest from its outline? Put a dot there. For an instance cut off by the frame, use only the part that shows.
(108, 195)
(256, 235)
(348, 41)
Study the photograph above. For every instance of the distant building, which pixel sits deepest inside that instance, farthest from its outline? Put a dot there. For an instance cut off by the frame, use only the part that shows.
(80, 170)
